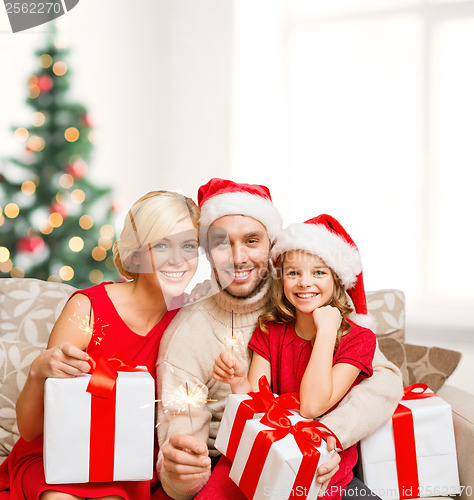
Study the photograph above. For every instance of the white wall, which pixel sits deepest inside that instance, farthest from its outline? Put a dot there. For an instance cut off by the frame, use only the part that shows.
(156, 77)
(183, 90)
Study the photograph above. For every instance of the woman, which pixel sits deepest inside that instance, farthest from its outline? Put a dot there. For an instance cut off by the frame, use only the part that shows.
(158, 252)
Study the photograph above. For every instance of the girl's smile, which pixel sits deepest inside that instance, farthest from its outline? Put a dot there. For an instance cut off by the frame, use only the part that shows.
(307, 281)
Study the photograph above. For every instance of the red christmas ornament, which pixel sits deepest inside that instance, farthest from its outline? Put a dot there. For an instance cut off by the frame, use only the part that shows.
(33, 244)
(59, 208)
(117, 206)
(77, 169)
(86, 120)
(45, 83)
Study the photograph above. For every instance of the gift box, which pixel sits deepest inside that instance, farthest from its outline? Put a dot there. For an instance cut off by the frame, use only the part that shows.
(414, 454)
(278, 456)
(242, 407)
(106, 434)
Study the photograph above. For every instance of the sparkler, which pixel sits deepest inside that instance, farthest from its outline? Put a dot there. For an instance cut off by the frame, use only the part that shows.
(87, 325)
(234, 341)
(183, 399)
(189, 410)
(232, 336)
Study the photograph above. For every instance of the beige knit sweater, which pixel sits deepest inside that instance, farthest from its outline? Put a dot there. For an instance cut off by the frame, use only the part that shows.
(193, 340)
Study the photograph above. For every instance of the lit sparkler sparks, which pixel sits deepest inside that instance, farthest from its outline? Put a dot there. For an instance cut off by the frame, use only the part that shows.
(183, 399)
(86, 324)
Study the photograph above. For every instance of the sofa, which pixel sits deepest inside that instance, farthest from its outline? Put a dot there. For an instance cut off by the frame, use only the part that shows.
(29, 308)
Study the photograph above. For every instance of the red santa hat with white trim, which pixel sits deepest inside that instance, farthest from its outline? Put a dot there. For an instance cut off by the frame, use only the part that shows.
(220, 197)
(325, 237)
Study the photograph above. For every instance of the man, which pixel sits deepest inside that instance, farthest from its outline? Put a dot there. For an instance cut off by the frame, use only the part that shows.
(240, 221)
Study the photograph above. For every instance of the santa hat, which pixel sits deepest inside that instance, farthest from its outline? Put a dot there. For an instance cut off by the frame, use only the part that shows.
(221, 197)
(325, 237)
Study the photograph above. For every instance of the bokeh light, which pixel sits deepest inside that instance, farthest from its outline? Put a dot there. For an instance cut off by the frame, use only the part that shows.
(6, 267)
(45, 60)
(78, 196)
(71, 134)
(92, 136)
(12, 210)
(61, 198)
(66, 181)
(21, 134)
(96, 276)
(46, 227)
(36, 143)
(105, 243)
(28, 188)
(38, 119)
(17, 272)
(55, 219)
(60, 68)
(107, 231)
(86, 222)
(66, 273)
(55, 278)
(34, 92)
(4, 254)
(98, 253)
(76, 243)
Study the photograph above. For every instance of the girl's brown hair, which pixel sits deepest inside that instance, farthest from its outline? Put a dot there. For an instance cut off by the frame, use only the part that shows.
(283, 311)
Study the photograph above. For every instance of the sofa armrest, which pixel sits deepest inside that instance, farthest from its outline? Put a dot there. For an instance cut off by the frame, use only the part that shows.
(462, 404)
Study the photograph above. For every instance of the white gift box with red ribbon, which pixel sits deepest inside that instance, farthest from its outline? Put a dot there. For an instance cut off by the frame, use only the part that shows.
(90, 438)
(242, 407)
(413, 454)
(278, 456)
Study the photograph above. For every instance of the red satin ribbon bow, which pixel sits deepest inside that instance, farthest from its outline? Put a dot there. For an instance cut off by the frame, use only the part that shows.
(404, 440)
(260, 402)
(103, 396)
(307, 434)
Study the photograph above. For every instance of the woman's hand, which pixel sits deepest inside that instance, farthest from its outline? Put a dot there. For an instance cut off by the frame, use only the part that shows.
(327, 318)
(62, 361)
(231, 371)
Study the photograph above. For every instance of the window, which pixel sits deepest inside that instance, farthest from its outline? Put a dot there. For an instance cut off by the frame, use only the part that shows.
(364, 109)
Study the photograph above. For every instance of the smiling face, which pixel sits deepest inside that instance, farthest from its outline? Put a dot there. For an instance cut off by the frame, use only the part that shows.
(307, 281)
(239, 251)
(173, 259)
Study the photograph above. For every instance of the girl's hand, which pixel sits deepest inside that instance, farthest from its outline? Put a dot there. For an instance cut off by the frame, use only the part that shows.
(228, 369)
(327, 318)
(62, 361)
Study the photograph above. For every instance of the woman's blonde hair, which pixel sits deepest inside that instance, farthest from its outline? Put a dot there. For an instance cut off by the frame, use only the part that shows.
(283, 311)
(150, 219)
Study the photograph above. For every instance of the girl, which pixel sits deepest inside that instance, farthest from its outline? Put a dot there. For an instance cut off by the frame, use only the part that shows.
(311, 342)
(158, 252)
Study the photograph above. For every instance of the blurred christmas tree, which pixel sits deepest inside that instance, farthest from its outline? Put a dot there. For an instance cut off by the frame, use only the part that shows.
(54, 223)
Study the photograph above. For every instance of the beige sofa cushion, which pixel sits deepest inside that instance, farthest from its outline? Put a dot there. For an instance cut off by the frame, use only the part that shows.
(28, 310)
(430, 365)
(388, 309)
(15, 360)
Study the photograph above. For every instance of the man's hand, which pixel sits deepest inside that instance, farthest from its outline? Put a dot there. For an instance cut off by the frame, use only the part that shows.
(326, 471)
(200, 291)
(186, 459)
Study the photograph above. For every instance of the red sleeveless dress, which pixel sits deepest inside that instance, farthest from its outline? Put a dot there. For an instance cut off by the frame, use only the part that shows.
(22, 472)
